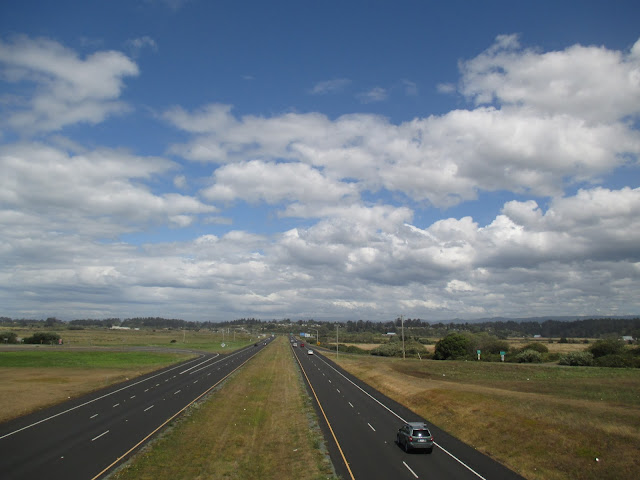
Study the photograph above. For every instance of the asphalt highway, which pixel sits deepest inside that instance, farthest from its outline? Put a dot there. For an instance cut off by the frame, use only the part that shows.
(361, 425)
(85, 438)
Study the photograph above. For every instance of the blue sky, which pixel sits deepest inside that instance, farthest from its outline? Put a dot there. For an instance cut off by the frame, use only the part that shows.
(328, 160)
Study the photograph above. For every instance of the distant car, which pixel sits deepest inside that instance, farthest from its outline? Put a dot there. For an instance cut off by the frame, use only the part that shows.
(302, 345)
(415, 435)
(255, 344)
(295, 344)
(309, 352)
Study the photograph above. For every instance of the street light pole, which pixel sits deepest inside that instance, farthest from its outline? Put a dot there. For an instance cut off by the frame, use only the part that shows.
(337, 347)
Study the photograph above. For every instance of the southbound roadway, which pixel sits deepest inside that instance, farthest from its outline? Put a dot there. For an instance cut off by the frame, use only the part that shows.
(360, 425)
(87, 437)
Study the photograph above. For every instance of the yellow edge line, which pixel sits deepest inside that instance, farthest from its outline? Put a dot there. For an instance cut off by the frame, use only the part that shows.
(170, 418)
(325, 417)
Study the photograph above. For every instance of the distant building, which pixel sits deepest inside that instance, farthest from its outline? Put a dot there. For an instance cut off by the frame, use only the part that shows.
(627, 338)
(390, 334)
(115, 327)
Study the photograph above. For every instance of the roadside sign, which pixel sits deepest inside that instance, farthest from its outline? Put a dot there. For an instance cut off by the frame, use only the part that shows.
(478, 352)
(502, 354)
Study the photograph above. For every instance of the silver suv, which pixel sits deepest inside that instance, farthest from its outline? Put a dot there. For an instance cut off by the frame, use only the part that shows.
(415, 435)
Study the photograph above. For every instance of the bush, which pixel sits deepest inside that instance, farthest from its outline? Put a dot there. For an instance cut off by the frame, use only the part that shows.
(394, 349)
(612, 346)
(352, 349)
(537, 346)
(10, 336)
(614, 361)
(577, 359)
(43, 337)
(529, 356)
(491, 345)
(454, 345)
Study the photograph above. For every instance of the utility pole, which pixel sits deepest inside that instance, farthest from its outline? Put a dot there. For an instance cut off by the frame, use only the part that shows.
(402, 322)
(337, 326)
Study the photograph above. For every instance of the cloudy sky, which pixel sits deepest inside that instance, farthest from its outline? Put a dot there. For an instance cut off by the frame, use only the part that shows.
(329, 160)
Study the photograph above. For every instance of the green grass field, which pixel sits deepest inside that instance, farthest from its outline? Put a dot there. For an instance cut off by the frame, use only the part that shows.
(51, 358)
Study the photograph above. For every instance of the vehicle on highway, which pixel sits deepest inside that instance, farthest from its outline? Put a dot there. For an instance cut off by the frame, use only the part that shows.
(295, 344)
(302, 345)
(415, 435)
(309, 352)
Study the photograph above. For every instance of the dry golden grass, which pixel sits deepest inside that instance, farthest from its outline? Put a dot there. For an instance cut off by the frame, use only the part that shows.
(256, 427)
(554, 347)
(535, 425)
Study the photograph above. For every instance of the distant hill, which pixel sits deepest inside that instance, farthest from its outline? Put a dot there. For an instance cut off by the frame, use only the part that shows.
(558, 318)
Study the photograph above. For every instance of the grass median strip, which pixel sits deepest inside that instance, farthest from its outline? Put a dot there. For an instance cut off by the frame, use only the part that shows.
(257, 425)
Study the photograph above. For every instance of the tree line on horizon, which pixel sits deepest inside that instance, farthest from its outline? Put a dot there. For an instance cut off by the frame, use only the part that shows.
(585, 328)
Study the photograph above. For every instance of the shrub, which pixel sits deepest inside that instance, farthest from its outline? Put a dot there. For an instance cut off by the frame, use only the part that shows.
(614, 361)
(529, 356)
(577, 359)
(352, 349)
(394, 349)
(43, 337)
(454, 345)
(10, 336)
(491, 345)
(536, 346)
(612, 346)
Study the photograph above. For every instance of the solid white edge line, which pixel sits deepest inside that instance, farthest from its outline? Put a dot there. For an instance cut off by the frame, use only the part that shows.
(459, 461)
(402, 419)
(409, 468)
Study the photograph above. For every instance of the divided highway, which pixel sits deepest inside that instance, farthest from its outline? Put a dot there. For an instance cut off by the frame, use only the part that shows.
(361, 425)
(86, 437)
